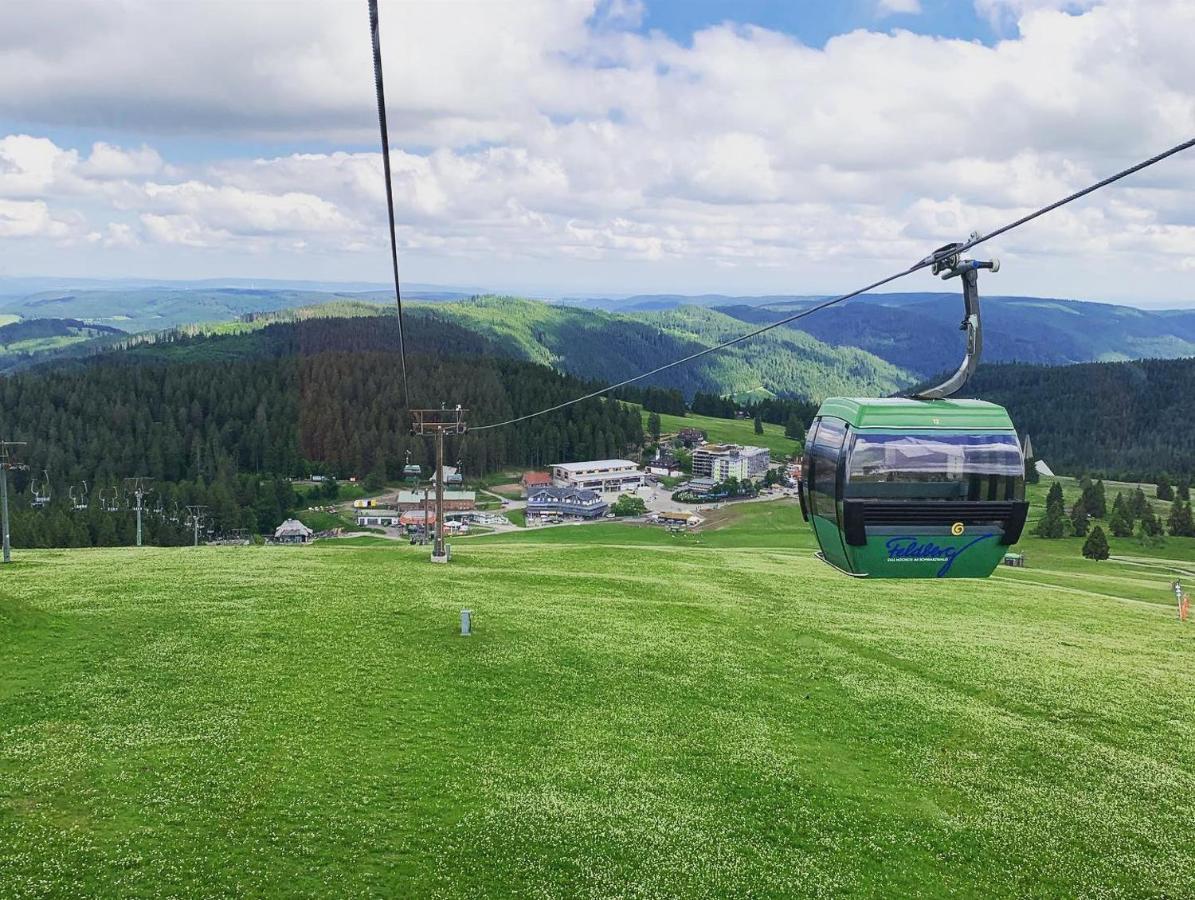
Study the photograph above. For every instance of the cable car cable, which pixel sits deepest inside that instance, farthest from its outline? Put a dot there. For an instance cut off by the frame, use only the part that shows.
(377, 77)
(928, 261)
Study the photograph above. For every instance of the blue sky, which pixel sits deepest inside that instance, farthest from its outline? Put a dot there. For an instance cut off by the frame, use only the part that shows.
(599, 146)
(814, 22)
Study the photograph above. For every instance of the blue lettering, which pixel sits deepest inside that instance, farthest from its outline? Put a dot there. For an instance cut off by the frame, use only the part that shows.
(910, 548)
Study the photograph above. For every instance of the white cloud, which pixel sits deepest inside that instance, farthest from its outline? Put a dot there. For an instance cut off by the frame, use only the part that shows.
(892, 7)
(31, 219)
(560, 136)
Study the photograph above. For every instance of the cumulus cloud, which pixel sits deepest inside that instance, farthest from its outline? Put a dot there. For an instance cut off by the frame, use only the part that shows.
(547, 131)
(907, 7)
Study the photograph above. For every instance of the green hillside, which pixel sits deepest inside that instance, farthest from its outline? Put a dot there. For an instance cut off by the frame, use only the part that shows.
(608, 346)
(638, 714)
(24, 339)
(732, 431)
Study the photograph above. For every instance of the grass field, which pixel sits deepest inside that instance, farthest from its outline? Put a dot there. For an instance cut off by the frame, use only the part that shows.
(638, 714)
(732, 431)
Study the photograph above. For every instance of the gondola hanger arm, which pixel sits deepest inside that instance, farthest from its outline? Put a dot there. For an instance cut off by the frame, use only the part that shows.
(947, 262)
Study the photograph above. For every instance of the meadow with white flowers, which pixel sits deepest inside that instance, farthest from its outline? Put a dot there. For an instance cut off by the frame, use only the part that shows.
(637, 714)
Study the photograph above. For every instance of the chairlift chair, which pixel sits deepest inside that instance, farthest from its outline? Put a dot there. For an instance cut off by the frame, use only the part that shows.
(41, 492)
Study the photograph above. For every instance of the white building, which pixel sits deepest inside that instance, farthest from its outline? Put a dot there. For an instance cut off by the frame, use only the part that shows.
(723, 461)
(375, 518)
(598, 475)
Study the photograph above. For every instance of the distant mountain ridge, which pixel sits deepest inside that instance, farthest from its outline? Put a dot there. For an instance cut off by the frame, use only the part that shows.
(878, 343)
(606, 346)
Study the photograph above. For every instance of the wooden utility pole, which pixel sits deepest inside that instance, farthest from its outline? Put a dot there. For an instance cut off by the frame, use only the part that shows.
(5, 465)
(439, 422)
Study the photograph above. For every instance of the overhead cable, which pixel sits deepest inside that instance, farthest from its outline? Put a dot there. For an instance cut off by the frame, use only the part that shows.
(377, 77)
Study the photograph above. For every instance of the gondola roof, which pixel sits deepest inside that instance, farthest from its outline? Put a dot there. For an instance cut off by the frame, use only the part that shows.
(900, 413)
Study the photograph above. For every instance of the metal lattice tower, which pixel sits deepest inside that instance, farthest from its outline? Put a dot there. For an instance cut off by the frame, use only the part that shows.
(439, 422)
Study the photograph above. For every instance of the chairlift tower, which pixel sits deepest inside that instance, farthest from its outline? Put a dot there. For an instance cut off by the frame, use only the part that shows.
(6, 463)
(439, 422)
(195, 514)
(138, 488)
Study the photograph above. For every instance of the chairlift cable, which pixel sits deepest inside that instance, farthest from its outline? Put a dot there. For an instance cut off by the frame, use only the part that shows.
(377, 76)
(928, 261)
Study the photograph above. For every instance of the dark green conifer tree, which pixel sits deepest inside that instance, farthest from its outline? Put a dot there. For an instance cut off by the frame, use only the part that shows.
(1164, 490)
(1079, 518)
(1096, 546)
(1181, 522)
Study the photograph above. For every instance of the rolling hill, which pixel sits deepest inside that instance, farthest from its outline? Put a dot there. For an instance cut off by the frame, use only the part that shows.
(27, 339)
(607, 347)
(919, 331)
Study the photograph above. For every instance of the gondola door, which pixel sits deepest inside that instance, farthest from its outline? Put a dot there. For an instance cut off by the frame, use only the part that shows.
(823, 483)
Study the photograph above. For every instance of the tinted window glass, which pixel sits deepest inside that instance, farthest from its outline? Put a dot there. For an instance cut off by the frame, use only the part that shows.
(827, 445)
(936, 466)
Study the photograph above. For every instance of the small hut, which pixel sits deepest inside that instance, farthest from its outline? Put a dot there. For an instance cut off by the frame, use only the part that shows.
(292, 531)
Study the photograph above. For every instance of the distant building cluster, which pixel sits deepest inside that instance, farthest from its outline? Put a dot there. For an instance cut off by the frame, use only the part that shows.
(722, 462)
(405, 509)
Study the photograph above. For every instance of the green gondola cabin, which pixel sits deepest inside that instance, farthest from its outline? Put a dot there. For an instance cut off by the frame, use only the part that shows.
(898, 488)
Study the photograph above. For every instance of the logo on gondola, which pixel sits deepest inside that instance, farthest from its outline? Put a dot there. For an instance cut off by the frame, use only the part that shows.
(957, 528)
(910, 549)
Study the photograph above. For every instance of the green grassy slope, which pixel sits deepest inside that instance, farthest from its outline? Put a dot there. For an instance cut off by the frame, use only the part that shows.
(732, 431)
(638, 713)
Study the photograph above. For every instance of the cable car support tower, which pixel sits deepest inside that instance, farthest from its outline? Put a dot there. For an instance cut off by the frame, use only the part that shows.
(437, 423)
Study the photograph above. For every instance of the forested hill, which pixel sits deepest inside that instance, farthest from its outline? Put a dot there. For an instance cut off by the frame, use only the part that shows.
(608, 347)
(1127, 419)
(875, 344)
(226, 421)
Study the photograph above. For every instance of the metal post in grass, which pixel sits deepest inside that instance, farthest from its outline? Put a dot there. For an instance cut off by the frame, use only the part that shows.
(6, 464)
